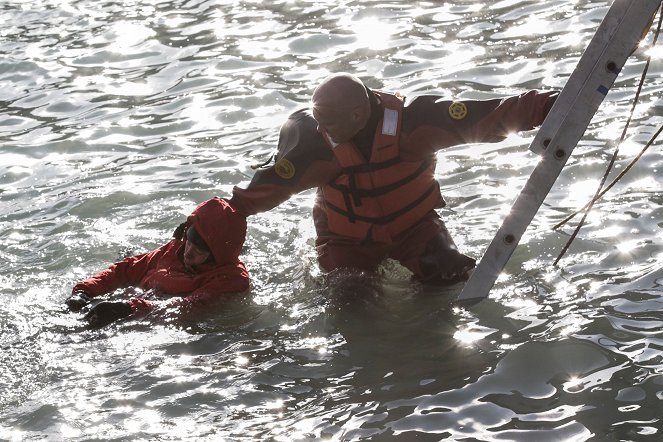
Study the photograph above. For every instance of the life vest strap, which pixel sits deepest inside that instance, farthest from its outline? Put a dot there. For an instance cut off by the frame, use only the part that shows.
(370, 167)
(353, 217)
(357, 194)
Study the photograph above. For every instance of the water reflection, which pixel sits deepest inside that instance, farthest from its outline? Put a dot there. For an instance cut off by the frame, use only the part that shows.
(117, 118)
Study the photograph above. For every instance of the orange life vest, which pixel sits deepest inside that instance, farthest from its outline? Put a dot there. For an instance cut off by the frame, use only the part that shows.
(378, 199)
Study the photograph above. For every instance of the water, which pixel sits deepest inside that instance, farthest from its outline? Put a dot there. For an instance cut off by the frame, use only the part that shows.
(118, 117)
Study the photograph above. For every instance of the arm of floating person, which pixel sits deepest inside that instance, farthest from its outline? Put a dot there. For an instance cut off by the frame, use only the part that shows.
(303, 161)
(619, 32)
(126, 273)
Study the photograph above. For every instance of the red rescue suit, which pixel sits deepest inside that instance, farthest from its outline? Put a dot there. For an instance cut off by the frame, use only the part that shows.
(162, 270)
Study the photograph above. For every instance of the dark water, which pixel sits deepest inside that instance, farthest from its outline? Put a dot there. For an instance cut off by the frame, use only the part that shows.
(117, 117)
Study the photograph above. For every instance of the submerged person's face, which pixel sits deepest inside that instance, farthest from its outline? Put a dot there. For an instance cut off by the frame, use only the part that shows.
(194, 256)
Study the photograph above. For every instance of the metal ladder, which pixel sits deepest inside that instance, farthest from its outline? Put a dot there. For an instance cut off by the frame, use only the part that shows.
(622, 28)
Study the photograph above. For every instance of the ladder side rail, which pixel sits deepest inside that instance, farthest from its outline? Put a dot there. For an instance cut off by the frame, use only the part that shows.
(568, 119)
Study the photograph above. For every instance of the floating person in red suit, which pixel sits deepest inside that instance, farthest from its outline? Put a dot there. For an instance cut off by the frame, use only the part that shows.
(197, 268)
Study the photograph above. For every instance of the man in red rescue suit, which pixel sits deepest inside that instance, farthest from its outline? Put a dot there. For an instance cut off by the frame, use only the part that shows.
(371, 156)
(194, 270)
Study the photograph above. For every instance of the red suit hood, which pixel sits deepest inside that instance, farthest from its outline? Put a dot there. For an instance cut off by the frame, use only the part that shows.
(221, 227)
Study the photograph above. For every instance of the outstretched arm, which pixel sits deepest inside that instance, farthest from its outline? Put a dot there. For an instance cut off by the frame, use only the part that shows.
(121, 274)
(303, 161)
(125, 273)
(430, 124)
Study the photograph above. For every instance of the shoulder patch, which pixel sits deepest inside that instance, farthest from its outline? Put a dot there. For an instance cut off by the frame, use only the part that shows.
(284, 168)
(457, 110)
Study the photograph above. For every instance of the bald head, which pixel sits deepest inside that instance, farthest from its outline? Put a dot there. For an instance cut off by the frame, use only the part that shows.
(341, 91)
(341, 106)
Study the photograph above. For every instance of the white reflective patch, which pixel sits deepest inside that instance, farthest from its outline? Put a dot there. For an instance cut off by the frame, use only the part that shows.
(390, 122)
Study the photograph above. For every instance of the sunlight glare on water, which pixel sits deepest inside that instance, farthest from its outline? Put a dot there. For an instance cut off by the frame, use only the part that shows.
(118, 118)
(371, 32)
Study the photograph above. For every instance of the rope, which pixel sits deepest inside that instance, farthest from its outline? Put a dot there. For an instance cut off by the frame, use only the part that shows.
(588, 207)
(614, 181)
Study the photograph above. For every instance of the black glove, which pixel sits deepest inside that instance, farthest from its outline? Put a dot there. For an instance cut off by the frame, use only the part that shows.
(77, 301)
(106, 312)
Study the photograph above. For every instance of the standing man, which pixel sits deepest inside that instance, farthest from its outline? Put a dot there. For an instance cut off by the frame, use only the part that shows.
(371, 157)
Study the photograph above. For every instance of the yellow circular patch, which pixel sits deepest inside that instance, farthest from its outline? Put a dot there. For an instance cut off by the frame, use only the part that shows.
(284, 168)
(457, 110)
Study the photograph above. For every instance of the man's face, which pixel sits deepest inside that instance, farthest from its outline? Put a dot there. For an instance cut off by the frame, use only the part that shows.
(340, 127)
(194, 256)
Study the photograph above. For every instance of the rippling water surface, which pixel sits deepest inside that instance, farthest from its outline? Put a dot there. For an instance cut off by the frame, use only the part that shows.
(117, 117)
